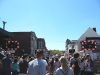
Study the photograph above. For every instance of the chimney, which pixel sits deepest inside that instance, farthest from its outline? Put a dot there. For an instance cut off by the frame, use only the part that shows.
(94, 29)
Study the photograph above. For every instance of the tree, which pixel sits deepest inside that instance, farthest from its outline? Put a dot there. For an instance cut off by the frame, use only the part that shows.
(59, 52)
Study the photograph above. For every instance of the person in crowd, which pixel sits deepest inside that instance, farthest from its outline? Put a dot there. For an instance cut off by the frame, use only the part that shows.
(56, 63)
(38, 66)
(82, 66)
(23, 65)
(20, 59)
(89, 65)
(51, 66)
(64, 69)
(15, 67)
(1, 66)
(30, 58)
(7, 65)
(75, 64)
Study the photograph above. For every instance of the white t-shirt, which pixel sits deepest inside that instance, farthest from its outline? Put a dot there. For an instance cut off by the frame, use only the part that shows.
(37, 67)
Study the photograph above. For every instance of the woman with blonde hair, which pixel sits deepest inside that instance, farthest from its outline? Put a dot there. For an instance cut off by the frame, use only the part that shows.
(64, 69)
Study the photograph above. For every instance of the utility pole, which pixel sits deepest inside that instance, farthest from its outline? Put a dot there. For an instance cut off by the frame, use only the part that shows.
(4, 24)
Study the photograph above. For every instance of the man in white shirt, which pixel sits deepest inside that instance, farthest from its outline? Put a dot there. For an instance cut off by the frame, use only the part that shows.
(37, 66)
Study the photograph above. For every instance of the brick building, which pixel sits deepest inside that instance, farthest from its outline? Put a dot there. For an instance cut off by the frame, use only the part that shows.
(4, 36)
(41, 43)
(27, 42)
(21, 42)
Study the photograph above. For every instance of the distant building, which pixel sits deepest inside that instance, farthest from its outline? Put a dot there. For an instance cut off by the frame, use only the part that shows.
(73, 44)
(4, 36)
(41, 43)
(21, 42)
(4, 33)
(27, 41)
(89, 35)
(67, 43)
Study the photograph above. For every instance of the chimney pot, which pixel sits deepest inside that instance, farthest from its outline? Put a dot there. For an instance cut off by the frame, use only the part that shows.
(94, 29)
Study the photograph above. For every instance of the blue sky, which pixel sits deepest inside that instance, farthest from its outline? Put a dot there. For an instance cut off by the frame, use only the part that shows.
(53, 20)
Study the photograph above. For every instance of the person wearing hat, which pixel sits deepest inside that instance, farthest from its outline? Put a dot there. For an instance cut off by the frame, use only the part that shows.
(38, 65)
(64, 69)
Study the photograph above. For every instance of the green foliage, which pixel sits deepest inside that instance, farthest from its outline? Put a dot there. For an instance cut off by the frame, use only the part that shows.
(54, 52)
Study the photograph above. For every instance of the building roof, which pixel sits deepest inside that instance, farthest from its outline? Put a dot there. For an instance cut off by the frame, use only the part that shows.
(74, 41)
(4, 33)
(42, 39)
(89, 33)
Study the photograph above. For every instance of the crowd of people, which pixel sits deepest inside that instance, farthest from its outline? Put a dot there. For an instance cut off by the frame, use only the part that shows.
(28, 65)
